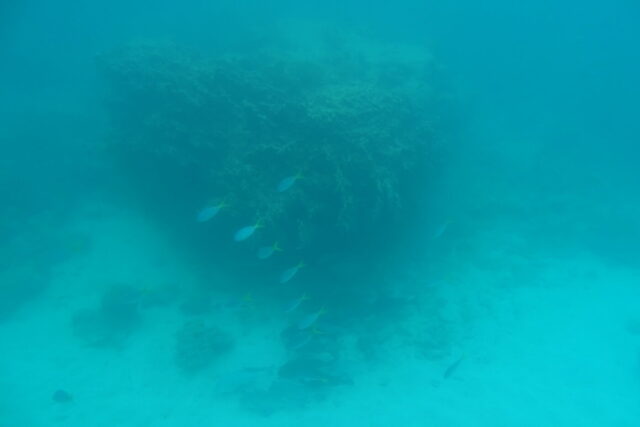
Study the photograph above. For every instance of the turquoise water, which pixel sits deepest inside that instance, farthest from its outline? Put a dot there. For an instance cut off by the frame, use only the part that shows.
(310, 213)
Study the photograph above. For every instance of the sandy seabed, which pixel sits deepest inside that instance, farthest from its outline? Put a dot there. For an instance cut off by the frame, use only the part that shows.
(556, 350)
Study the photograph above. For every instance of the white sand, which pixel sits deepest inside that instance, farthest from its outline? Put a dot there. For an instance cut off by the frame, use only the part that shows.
(545, 340)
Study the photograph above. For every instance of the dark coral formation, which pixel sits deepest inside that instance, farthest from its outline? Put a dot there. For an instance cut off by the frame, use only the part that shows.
(198, 345)
(112, 321)
(358, 125)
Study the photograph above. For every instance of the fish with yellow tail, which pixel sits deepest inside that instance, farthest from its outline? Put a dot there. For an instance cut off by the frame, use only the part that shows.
(310, 319)
(245, 232)
(208, 212)
(266, 251)
(296, 303)
(288, 182)
(289, 273)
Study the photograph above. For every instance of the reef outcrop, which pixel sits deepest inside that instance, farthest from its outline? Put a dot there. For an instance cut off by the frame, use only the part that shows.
(358, 123)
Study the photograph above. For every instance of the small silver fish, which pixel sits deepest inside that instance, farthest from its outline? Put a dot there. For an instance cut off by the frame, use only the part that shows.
(266, 251)
(288, 182)
(453, 367)
(296, 303)
(245, 232)
(290, 272)
(310, 319)
(441, 229)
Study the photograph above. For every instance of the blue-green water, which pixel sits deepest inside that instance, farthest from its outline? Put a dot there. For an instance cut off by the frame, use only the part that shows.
(309, 213)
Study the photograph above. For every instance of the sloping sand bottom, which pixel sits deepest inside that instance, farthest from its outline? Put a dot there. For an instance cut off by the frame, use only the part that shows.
(544, 341)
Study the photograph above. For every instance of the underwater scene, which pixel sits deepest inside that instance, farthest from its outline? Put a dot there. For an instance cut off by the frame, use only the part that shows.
(319, 213)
